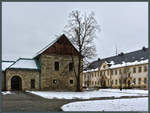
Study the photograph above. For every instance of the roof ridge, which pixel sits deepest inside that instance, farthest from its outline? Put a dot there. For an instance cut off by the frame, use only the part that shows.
(27, 58)
(124, 54)
(7, 61)
(14, 62)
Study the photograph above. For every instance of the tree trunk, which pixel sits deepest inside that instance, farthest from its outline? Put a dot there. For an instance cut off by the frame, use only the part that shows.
(78, 76)
(78, 85)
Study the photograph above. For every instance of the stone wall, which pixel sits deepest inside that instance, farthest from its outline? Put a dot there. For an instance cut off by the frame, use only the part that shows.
(25, 75)
(62, 77)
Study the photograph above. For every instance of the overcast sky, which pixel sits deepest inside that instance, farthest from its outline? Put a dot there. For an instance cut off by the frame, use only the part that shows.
(28, 27)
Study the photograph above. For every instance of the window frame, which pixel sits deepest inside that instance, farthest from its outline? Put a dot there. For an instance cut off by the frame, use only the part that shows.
(56, 66)
(134, 69)
(145, 68)
(139, 69)
(70, 81)
(139, 81)
(71, 66)
(32, 83)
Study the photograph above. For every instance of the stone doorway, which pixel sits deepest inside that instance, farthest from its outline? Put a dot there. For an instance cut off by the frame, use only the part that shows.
(16, 83)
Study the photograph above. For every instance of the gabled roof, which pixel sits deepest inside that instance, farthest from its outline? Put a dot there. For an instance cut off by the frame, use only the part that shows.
(46, 47)
(24, 63)
(6, 64)
(52, 43)
(135, 57)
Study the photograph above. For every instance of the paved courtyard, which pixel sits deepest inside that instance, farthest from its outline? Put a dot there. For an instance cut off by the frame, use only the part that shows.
(28, 102)
(23, 101)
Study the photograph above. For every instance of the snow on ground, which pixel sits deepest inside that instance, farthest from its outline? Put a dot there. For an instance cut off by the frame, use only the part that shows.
(6, 92)
(90, 94)
(129, 91)
(136, 104)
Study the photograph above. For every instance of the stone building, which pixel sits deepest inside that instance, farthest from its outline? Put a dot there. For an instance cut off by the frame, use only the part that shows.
(126, 70)
(52, 68)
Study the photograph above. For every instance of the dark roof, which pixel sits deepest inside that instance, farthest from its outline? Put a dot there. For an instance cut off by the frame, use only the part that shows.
(53, 42)
(126, 57)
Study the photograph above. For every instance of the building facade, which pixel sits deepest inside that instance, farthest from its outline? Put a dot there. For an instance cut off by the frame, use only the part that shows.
(129, 70)
(52, 68)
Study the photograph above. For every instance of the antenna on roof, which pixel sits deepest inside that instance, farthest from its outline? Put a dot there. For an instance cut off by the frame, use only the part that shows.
(116, 49)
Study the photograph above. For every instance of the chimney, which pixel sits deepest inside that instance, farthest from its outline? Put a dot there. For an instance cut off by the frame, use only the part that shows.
(144, 48)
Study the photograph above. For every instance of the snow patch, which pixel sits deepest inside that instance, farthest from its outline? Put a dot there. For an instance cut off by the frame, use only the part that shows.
(92, 70)
(129, 63)
(6, 92)
(136, 104)
(89, 94)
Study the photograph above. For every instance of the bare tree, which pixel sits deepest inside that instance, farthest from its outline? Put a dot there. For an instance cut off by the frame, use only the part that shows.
(81, 30)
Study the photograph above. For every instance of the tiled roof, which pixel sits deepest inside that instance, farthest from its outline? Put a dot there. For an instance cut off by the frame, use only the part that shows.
(138, 55)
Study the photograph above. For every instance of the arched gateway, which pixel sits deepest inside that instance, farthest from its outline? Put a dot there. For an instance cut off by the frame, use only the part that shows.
(16, 83)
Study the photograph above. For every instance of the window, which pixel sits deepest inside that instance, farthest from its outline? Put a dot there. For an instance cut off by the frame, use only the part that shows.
(116, 72)
(70, 66)
(56, 66)
(134, 70)
(134, 81)
(32, 83)
(145, 80)
(104, 66)
(112, 82)
(71, 81)
(111, 72)
(140, 69)
(104, 72)
(54, 81)
(145, 68)
(107, 72)
(124, 81)
(139, 80)
(119, 71)
(128, 69)
(116, 82)
(125, 70)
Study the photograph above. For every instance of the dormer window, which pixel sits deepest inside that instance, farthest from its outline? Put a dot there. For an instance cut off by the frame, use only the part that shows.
(144, 48)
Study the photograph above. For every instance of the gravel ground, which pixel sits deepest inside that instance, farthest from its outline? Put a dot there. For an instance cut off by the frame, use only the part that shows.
(23, 101)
